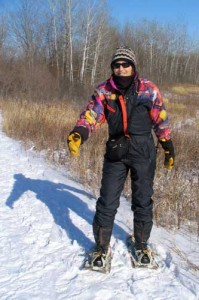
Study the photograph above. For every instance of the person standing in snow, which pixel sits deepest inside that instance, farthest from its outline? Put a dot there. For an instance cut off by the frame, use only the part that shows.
(132, 107)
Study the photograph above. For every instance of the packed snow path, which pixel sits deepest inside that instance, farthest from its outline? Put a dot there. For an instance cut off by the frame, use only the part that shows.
(45, 222)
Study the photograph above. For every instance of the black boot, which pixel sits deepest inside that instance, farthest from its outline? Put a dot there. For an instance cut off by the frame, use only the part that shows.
(142, 232)
(102, 236)
(100, 257)
(102, 252)
(145, 259)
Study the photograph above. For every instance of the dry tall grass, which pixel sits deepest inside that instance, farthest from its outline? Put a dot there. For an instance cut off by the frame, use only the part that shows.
(175, 193)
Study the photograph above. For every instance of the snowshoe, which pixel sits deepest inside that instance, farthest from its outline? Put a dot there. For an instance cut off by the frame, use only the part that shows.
(99, 260)
(141, 258)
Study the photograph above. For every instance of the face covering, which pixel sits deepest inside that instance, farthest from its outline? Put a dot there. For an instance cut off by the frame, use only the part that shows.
(123, 82)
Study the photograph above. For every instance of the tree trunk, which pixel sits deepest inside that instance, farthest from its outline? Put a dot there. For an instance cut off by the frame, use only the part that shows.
(70, 42)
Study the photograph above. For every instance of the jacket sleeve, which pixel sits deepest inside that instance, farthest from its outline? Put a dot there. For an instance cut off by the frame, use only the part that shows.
(158, 115)
(91, 117)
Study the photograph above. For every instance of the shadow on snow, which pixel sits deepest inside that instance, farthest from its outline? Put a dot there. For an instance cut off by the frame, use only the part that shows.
(59, 199)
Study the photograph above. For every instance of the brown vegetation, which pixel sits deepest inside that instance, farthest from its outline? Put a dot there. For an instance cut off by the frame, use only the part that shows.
(52, 53)
(176, 193)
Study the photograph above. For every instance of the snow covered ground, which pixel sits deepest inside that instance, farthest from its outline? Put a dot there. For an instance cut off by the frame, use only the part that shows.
(45, 229)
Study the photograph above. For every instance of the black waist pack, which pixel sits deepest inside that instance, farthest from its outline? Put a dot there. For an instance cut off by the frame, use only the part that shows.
(117, 148)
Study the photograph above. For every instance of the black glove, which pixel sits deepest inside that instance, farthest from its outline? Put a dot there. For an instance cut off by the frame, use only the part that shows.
(169, 153)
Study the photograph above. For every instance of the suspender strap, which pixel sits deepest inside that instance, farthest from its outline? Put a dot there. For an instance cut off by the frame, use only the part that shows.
(124, 115)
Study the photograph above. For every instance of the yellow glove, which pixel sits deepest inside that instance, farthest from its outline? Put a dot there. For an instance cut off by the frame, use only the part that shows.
(169, 161)
(74, 142)
(167, 145)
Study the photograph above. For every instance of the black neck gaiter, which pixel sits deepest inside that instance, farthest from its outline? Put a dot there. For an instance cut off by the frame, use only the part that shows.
(123, 82)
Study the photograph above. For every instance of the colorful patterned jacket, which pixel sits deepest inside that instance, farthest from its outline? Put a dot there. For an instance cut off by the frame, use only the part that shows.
(135, 113)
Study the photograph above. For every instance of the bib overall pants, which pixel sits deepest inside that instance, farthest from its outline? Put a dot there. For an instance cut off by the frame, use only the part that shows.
(140, 162)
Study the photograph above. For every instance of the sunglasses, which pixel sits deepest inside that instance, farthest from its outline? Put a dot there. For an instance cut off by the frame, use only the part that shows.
(124, 65)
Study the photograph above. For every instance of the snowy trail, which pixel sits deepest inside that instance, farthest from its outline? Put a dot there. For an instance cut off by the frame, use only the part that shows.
(45, 222)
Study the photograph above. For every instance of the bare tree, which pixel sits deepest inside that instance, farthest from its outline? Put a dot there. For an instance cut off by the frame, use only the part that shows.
(26, 29)
(55, 40)
(87, 26)
(70, 42)
(101, 32)
(3, 31)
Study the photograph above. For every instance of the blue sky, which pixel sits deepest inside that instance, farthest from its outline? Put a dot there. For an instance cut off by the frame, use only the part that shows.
(184, 12)
(163, 11)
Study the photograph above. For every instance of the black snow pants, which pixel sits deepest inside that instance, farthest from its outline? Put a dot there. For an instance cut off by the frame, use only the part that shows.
(141, 162)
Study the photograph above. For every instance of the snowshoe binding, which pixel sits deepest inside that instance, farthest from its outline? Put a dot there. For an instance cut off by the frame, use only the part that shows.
(99, 260)
(144, 258)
